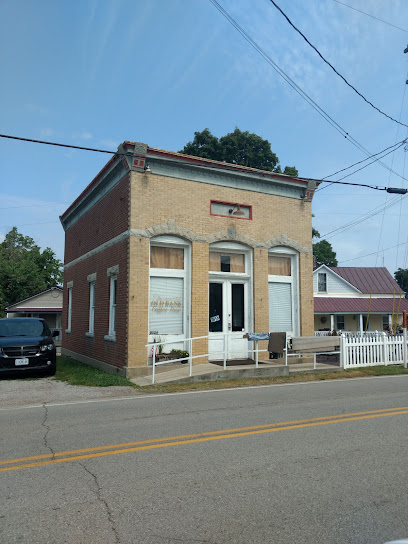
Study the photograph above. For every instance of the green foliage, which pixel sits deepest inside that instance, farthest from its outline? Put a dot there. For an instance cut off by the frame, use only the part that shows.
(180, 353)
(204, 145)
(324, 254)
(401, 277)
(24, 269)
(291, 171)
(243, 148)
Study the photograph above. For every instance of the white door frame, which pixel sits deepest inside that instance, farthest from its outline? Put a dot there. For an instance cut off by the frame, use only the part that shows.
(236, 345)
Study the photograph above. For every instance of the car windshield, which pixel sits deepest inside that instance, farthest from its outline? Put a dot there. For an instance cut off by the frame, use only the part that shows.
(13, 327)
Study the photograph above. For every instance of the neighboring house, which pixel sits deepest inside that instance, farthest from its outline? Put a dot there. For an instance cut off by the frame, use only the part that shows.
(162, 246)
(47, 305)
(356, 299)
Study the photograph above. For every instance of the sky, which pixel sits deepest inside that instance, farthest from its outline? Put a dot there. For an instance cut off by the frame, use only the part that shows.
(94, 73)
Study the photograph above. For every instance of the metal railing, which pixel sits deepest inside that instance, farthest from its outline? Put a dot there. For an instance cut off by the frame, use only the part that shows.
(189, 343)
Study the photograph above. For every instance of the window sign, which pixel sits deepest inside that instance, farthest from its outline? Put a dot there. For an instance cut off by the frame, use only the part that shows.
(166, 307)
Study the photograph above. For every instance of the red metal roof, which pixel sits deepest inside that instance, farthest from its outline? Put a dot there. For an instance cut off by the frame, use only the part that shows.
(329, 305)
(365, 278)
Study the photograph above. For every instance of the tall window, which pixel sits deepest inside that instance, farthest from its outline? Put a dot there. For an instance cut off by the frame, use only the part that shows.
(322, 282)
(91, 307)
(283, 264)
(112, 274)
(70, 285)
(112, 306)
(168, 293)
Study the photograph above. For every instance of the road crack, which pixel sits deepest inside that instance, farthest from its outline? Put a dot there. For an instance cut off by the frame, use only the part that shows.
(47, 430)
(98, 493)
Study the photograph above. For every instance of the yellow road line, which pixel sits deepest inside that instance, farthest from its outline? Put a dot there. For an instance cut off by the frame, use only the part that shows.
(203, 437)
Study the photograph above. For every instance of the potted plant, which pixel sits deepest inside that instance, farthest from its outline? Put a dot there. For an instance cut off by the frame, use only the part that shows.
(179, 353)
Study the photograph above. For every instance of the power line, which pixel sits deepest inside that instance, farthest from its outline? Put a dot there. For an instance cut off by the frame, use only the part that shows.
(333, 68)
(294, 86)
(372, 16)
(376, 187)
(399, 144)
(369, 254)
(368, 215)
(59, 145)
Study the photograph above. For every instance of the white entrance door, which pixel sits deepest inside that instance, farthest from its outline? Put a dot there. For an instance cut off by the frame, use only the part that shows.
(228, 319)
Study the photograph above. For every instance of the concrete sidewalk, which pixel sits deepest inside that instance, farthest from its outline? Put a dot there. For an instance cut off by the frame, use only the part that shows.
(175, 373)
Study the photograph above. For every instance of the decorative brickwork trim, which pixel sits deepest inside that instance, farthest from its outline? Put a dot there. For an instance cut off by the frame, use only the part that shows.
(112, 271)
(172, 228)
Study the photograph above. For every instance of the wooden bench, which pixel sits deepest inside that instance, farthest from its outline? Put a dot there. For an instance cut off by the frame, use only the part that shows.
(315, 345)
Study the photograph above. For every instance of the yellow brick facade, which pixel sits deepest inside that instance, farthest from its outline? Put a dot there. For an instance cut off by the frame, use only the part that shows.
(180, 207)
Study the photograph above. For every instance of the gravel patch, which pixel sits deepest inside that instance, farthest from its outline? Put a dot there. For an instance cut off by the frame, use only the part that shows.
(27, 392)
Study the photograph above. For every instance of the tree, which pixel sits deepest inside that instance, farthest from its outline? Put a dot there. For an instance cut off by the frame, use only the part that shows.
(401, 277)
(243, 148)
(204, 145)
(24, 269)
(324, 254)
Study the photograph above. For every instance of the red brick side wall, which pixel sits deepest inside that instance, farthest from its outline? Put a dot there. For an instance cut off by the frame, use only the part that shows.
(113, 353)
(105, 220)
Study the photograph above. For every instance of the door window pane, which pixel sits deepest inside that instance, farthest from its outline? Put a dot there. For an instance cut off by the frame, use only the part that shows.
(215, 307)
(238, 307)
(167, 257)
(279, 266)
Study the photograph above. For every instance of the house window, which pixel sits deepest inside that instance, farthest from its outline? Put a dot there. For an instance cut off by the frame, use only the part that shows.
(340, 326)
(168, 291)
(385, 322)
(283, 290)
(322, 282)
(70, 285)
(91, 280)
(112, 274)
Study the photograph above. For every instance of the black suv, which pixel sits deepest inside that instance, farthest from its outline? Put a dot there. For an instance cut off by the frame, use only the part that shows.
(26, 344)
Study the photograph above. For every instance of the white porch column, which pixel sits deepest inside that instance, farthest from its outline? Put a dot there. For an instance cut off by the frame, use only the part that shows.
(332, 322)
(360, 323)
(389, 321)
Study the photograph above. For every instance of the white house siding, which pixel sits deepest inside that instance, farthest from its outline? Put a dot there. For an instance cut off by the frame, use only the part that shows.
(334, 284)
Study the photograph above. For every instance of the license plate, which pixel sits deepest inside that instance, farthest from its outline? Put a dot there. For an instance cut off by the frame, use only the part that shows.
(21, 362)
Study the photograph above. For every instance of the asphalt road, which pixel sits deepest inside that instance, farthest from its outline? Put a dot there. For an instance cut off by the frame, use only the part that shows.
(322, 462)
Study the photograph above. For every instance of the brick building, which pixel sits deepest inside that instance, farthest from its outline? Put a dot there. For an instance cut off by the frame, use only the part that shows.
(162, 246)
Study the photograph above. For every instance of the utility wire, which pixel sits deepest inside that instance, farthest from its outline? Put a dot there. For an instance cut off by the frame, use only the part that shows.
(369, 254)
(376, 187)
(368, 215)
(372, 16)
(391, 147)
(294, 86)
(59, 145)
(333, 68)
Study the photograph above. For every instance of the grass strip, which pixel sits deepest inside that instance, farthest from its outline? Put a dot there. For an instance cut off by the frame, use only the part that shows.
(76, 373)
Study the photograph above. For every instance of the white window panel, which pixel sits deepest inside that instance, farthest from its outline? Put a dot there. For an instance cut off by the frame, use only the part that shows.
(280, 307)
(166, 308)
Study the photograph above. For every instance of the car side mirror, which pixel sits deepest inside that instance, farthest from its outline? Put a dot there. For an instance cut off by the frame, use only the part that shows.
(55, 333)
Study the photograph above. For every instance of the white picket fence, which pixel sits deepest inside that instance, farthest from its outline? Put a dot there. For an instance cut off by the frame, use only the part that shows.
(380, 349)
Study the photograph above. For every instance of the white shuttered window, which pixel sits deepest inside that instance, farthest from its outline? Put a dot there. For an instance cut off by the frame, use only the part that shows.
(166, 315)
(280, 307)
(283, 290)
